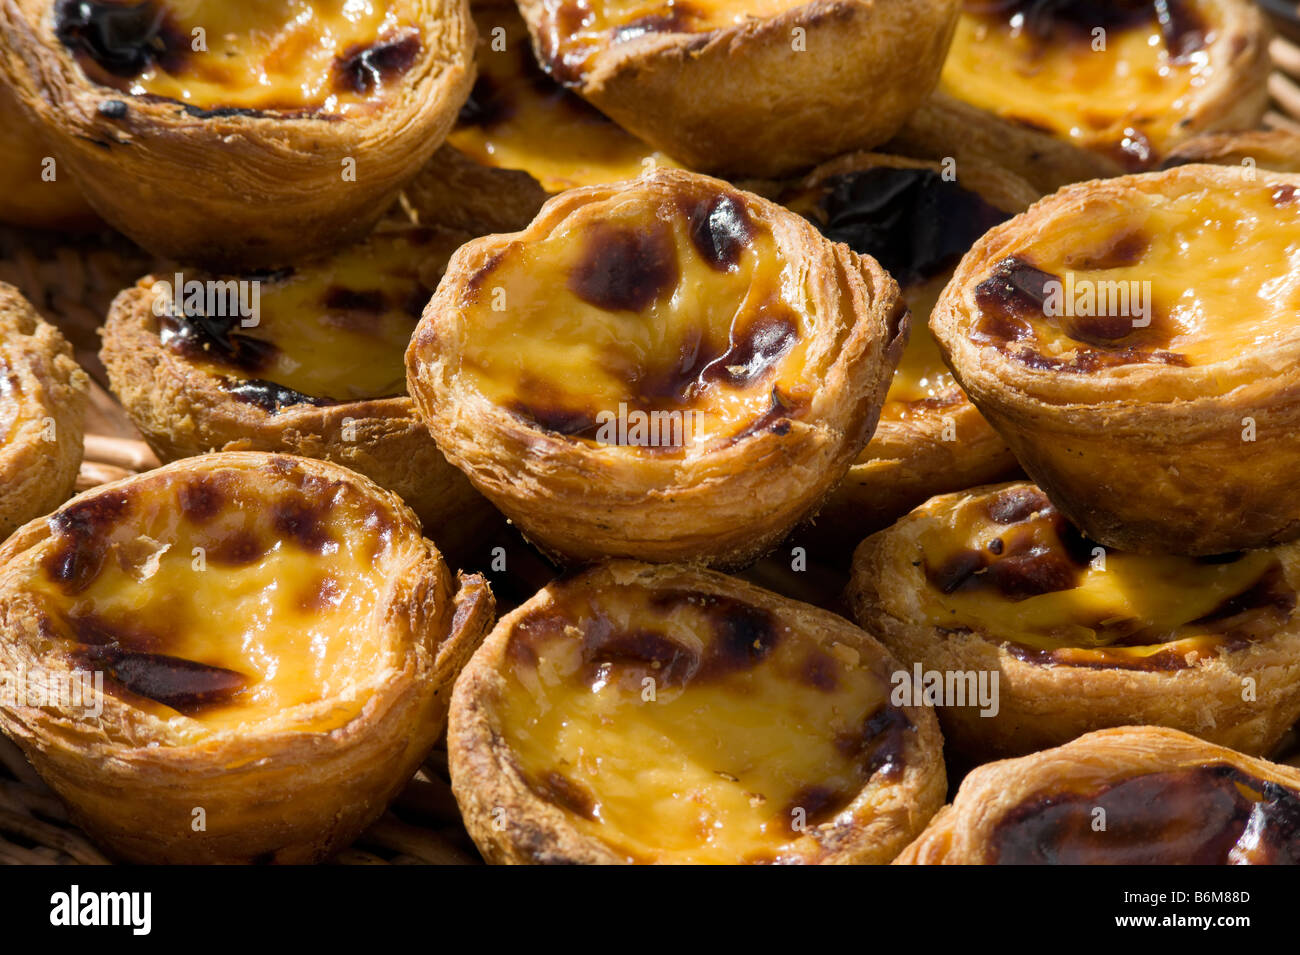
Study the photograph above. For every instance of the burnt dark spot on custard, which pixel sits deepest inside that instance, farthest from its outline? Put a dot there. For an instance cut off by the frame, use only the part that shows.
(680, 18)
(204, 496)
(574, 423)
(1207, 815)
(1286, 195)
(122, 39)
(304, 522)
(914, 222)
(881, 744)
(489, 103)
(1075, 20)
(775, 420)
(364, 69)
(214, 339)
(321, 595)
(237, 549)
(720, 228)
(184, 685)
(269, 396)
(1016, 290)
(625, 269)
(816, 804)
(754, 350)
(1118, 251)
(820, 670)
(343, 299)
(559, 790)
(94, 631)
(1016, 505)
(644, 653)
(80, 539)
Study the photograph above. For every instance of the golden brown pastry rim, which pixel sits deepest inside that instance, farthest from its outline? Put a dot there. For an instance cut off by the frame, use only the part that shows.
(957, 835)
(182, 411)
(1274, 149)
(37, 474)
(455, 191)
(723, 507)
(338, 781)
(1042, 705)
(740, 100)
(231, 191)
(485, 777)
(1148, 459)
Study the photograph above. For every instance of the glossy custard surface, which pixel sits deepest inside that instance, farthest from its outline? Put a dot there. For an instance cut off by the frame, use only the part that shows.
(918, 225)
(1008, 567)
(330, 331)
(1199, 815)
(325, 56)
(681, 726)
(129, 580)
(519, 118)
(651, 304)
(1036, 64)
(574, 31)
(1214, 272)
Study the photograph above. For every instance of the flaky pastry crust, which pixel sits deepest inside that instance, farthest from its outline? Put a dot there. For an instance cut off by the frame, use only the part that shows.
(514, 822)
(763, 97)
(231, 187)
(156, 782)
(42, 413)
(1275, 149)
(726, 499)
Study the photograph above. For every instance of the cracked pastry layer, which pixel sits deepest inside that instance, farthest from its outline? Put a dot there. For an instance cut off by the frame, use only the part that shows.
(659, 714)
(276, 730)
(668, 369)
(1139, 795)
(240, 135)
(757, 89)
(305, 360)
(1134, 342)
(917, 222)
(519, 139)
(1080, 637)
(1126, 78)
(42, 413)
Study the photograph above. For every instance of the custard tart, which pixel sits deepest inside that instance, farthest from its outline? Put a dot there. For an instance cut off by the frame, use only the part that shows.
(35, 191)
(668, 368)
(1275, 149)
(243, 657)
(747, 88)
(519, 139)
(1126, 78)
(1134, 341)
(994, 583)
(42, 413)
(659, 714)
(917, 222)
(240, 134)
(1134, 796)
(307, 360)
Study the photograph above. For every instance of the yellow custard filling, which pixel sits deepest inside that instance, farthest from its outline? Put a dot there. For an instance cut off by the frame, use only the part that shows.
(677, 726)
(644, 306)
(335, 329)
(1170, 271)
(279, 55)
(575, 30)
(1007, 566)
(921, 377)
(1125, 98)
(130, 582)
(518, 118)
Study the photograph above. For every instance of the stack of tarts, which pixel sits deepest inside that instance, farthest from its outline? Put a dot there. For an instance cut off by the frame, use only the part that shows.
(423, 268)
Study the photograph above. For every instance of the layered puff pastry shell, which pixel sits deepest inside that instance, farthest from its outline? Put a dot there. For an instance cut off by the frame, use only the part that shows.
(1035, 634)
(917, 219)
(34, 191)
(747, 88)
(659, 714)
(1126, 78)
(274, 730)
(1134, 341)
(519, 139)
(668, 369)
(1139, 795)
(240, 134)
(307, 360)
(42, 413)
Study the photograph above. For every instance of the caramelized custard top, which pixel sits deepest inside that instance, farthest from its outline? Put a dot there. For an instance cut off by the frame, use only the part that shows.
(1116, 77)
(128, 580)
(653, 304)
(676, 725)
(517, 117)
(293, 56)
(1008, 567)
